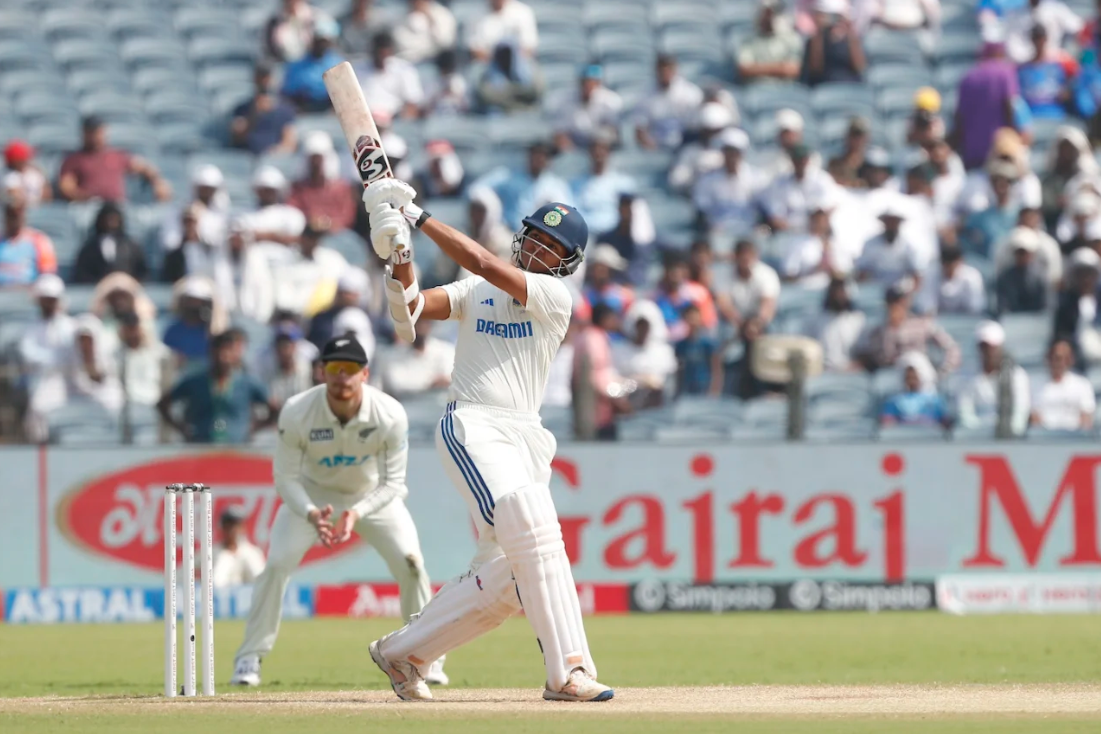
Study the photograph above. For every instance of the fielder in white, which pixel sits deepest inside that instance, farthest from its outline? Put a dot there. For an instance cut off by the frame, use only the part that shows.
(342, 454)
(512, 319)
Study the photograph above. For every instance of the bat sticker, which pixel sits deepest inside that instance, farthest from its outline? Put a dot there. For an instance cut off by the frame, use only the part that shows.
(371, 159)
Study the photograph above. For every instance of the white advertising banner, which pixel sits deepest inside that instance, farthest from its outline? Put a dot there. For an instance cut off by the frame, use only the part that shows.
(1068, 593)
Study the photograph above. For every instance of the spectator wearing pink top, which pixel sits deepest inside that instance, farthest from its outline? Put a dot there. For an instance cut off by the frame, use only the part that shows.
(608, 386)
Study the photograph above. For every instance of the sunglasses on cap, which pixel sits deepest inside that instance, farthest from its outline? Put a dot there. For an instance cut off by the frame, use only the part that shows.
(342, 368)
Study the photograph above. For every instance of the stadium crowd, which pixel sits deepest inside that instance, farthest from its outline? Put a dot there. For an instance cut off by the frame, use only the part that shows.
(899, 261)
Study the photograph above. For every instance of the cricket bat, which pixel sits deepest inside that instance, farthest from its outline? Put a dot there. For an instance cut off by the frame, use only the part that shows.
(359, 128)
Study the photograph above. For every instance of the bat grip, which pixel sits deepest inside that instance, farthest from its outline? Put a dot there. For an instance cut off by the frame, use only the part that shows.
(401, 241)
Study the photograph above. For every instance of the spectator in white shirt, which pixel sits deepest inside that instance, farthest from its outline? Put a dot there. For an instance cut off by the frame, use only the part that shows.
(24, 174)
(595, 111)
(44, 352)
(272, 220)
(306, 281)
(1054, 16)
(424, 365)
(670, 109)
(837, 327)
(449, 92)
(786, 203)
(1066, 401)
(789, 133)
(442, 175)
(597, 194)
(507, 19)
(818, 258)
(144, 362)
(979, 399)
(426, 30)
(889, 256)
(390, 83)
(728, 198)
(751, 307)
(290, 31)
(236, 561)
(704, 154)
(954, 287)
(645, 356)
(210, 204)
(291, 372)
(93, 372)
(948, 179)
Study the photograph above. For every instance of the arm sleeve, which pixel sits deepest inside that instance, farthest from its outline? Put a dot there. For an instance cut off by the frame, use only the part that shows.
(392, 465)
(548, 298)
(457, 295)
(287, 467)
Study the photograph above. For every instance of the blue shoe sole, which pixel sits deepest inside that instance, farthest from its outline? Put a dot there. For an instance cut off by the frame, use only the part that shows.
(607, 695)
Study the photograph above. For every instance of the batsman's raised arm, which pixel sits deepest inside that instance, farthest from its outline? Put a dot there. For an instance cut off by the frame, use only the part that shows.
(535, 250)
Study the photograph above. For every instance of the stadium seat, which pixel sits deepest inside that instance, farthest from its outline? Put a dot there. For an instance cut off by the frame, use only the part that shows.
(912, 434)
(768, 98)
(1027, 337)
(146, 52)
(54, 137)
(63, 24)
(204, 51)
(85, 54)
(955, 49)
(893, 47)
(519, 130)
(887, 77)
(843, 99)
(84, 81)
(611, 12)
(350, 245)
(671, 215)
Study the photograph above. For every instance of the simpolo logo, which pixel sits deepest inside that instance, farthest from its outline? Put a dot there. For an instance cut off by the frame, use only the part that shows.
(120, 515)
(807, 596)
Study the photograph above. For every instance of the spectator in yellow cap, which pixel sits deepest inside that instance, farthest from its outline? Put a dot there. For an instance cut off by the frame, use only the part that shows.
(926, 124)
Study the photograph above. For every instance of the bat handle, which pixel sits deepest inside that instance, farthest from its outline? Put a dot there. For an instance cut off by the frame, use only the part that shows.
(401, 241)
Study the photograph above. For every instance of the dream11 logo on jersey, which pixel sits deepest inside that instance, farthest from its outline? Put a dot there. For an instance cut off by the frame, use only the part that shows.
(120, 515)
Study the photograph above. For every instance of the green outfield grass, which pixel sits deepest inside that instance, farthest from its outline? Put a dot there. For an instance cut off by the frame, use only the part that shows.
(115, 662)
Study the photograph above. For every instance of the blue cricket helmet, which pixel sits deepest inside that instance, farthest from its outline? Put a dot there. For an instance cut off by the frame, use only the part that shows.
(564, 223)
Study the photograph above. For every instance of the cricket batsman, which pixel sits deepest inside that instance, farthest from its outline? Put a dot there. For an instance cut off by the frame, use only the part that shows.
(339, 466)
(512, 319)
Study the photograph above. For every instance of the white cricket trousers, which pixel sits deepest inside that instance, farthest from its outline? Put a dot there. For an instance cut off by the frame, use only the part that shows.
(389, 530)
(500, 461)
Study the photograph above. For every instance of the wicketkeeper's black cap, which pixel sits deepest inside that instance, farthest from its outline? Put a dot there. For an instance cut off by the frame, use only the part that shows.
(344, 349)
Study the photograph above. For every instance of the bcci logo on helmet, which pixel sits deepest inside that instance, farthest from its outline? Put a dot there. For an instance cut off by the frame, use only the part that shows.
(370, 159)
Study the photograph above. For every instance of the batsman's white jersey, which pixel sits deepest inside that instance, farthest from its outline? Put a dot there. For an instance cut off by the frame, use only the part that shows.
(497, 453)
(357, 466)
(504, 350)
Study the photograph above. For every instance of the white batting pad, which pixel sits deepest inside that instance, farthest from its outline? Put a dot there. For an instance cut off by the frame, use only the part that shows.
(463, 609)
(528, 531)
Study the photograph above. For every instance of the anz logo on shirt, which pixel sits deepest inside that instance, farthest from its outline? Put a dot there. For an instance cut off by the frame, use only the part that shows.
(340, 460)
(512, 330)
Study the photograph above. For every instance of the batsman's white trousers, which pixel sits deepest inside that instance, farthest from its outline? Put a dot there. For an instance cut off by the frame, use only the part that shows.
(390, 531)
(500, 462)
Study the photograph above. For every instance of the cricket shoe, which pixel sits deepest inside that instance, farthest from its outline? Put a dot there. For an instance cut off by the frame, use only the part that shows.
(436, 676)
(580, 686)
(246, 672)
(404, 677)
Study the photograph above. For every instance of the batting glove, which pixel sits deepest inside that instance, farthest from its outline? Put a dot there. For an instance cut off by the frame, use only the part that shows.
(390, 234)
(390, 191)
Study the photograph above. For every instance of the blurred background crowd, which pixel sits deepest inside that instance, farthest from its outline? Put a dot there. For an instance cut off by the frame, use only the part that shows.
(912, 184)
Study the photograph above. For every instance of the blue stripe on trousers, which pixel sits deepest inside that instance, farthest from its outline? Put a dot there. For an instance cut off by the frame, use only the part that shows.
(447, 431)
(477, 480)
